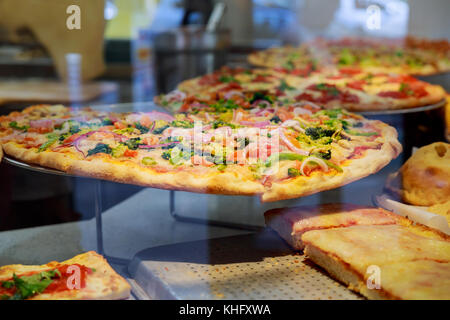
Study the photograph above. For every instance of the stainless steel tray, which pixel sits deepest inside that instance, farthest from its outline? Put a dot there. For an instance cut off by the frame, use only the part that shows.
(255, 267)
(437, 105)
(34, 167)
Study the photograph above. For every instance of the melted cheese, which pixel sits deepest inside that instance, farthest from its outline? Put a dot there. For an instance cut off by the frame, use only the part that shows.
(362, 246)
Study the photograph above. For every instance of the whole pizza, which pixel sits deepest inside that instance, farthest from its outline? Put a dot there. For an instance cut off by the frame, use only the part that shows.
(350, 88)
(226, 147)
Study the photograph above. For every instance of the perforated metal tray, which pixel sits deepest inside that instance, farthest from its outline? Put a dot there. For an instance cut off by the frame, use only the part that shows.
(256, 266)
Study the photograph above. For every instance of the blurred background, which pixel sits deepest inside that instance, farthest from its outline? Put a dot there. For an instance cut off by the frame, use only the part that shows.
(114, 51)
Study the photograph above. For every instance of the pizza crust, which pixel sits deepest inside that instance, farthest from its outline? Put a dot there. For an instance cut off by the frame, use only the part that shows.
(103, 284)
(100, 167)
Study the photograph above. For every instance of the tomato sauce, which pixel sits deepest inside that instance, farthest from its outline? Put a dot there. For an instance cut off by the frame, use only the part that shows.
(349, 71)
(59, 283)
(261, 78)
(231, 86)
(357, 85)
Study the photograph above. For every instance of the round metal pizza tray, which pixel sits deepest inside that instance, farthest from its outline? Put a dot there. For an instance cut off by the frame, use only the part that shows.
(437, 105)
(34, 167)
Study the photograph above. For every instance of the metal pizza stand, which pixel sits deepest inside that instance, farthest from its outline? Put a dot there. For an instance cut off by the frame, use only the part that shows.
(254, 266)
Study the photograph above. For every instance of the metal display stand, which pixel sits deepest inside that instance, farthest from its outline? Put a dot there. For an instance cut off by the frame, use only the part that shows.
(97, 204)
(98, 209)
(209, 222)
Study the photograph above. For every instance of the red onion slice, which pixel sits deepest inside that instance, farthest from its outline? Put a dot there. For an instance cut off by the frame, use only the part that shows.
(293, 148)
(293, 124)
(319, 161)
(232, 93)
(301, 104)
(156, 115)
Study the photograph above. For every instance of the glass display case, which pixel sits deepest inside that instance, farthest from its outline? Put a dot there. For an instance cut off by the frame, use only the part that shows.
(338, 109)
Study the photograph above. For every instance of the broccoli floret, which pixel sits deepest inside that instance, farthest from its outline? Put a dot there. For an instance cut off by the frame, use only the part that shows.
(141, 128)
(133, 143)
(318, 132)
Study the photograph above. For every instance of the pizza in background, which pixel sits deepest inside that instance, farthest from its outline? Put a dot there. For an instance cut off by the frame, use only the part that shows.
(349, 88)
(377, 55)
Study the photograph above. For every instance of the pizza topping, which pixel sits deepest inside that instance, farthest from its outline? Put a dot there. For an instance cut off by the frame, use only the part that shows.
(285, 140)
(14, 125)
(148, 161)
(313, 159)
(232, 93)
(100, 148)
(52, 138)
(284, 86)
(28, 285)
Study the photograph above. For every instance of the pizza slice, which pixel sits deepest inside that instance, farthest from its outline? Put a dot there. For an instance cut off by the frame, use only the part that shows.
(358, 255)
(86, 276)
(292, 223)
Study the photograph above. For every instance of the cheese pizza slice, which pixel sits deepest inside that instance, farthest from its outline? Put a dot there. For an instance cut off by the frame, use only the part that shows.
(292, 223)
(86, 276)
(384, 262)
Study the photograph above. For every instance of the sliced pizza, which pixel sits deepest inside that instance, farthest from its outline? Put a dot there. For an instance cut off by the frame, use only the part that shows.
(407, 55)
(86, 276)
(350, 88)
(355, 90)
(223, 148)
(292, 223)
(384, 261)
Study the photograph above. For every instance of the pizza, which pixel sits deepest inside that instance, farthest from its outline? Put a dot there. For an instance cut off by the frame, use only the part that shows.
(275, 152)
(384, 261)
(288, 59)
(351, 242)
(355, 90)
(247, 86)
(407, 55)
(292, 223)
(86, 276)
(350, 88)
